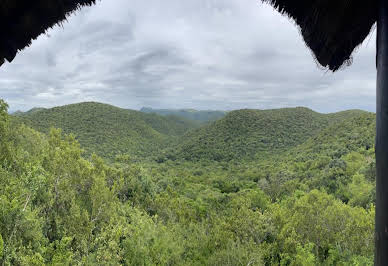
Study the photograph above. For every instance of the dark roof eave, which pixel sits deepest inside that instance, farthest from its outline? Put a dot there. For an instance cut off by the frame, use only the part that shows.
(332, 29)
(22, 21)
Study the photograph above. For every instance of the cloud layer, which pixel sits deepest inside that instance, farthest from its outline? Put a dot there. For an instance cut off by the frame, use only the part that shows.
(203, 54)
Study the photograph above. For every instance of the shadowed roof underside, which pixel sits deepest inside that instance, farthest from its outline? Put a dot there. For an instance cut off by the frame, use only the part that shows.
(22, 21)
(332, 29)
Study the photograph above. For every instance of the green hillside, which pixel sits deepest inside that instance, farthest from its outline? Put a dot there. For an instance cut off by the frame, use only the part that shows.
(108, 130)
(200, 116)
(341, 137)
(245, 134)
(310, 203)
(338, 160)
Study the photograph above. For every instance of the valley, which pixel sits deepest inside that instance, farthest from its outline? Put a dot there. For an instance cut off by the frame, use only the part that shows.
(255, 187)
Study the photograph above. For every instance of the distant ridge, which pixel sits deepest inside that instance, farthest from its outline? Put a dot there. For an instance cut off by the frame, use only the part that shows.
(238, 135)
(33, 110)
(192, 114)
(109, 130)
(246, 134)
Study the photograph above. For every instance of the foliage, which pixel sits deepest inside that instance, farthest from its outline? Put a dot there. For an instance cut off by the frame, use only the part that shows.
(108, 130)
(253, 134)
(307, 198)
(191, 114)
(4, 149)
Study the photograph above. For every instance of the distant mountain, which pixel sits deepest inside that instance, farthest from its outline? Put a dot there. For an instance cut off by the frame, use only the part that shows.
(239, 135)
(246, 134)
(340, 138)
(109, 130)
(200, 116)
(33, 110)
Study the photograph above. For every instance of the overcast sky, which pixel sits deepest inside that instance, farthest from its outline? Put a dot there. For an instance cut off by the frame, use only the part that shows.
(203, 54)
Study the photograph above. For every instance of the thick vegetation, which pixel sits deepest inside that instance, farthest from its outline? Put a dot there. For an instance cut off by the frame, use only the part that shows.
(108, 130)
(248, 134)
(200, 116)
(309, 203)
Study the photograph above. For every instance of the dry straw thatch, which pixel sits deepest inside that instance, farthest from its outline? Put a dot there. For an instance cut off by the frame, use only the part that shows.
(22, 21)
(332, 29)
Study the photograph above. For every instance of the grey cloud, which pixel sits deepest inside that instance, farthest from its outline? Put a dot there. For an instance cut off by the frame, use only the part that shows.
(221, 54)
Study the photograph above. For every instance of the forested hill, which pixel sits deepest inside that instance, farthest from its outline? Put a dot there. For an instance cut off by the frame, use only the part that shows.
(338, 160)
(246, 134)
(310, 202)
(109, 130)
(200, 116)
(240, 135)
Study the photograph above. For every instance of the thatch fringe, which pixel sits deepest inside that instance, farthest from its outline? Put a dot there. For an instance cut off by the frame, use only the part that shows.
(22, 21)
(332, 29)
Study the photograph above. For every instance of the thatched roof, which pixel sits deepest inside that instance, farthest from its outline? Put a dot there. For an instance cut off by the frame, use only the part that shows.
(332, 29)
(22, 21)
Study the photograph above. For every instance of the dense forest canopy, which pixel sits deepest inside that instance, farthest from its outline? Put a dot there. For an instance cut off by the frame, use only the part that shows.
(108, 130)
(202, 116)
(305, 197)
